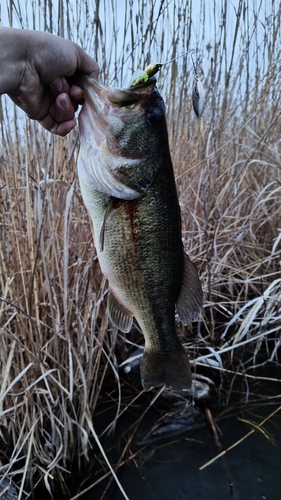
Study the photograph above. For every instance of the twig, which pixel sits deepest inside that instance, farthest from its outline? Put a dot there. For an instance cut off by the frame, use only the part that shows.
(240, 440)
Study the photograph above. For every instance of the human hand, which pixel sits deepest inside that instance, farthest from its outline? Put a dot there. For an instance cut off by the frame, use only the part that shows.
(35, 66)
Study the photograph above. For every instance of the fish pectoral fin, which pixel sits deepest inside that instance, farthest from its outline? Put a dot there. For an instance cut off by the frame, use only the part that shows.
(190, 299)
(119, 315)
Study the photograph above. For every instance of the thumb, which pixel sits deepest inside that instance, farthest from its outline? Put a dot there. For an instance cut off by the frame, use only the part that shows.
(87, 64)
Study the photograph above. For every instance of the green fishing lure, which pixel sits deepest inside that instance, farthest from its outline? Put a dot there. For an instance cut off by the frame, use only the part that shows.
(198, 94)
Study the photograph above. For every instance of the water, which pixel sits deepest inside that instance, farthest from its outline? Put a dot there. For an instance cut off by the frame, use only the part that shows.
(169, 469)
(251, 470)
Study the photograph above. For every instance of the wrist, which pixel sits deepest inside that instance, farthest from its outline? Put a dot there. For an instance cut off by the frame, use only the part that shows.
(12, 58)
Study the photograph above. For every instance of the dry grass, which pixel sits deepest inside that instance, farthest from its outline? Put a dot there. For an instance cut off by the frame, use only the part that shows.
(56, 347)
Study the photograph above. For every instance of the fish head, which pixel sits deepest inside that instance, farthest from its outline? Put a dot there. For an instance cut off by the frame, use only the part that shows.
(123, 136)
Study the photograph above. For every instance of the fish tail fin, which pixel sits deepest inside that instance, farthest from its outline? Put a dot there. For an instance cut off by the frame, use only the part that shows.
(170, 369)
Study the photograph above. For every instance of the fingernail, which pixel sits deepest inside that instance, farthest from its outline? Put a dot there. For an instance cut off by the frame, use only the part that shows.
(65, 103)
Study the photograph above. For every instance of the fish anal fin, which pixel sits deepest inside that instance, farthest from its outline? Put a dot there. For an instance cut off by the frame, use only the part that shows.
(190, 299)
(119, 315)
(171, 369)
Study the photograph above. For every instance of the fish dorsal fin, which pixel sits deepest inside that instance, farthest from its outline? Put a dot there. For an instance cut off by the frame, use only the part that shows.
(119, 315)
(190, 299)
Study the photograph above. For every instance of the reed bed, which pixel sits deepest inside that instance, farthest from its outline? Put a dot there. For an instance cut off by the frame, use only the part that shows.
(57, 348)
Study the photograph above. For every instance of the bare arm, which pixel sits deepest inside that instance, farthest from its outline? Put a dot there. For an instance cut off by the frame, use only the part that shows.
(33, 70)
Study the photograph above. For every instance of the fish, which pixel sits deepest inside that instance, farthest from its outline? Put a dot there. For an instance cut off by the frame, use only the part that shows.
(127, 183)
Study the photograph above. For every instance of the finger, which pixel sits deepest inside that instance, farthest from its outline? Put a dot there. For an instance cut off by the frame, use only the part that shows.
(63, 109)
(87, 65)
(61, 129)
(59, 85)
(64, 128)
(76, 94)
(60, 119)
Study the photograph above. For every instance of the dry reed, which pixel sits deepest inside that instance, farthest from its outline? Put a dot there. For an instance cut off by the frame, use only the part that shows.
(56, 346)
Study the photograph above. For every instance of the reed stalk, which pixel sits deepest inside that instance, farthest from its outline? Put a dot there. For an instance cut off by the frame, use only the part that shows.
(57, 348)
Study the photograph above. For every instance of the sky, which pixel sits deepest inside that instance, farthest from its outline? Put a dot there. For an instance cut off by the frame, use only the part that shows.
(206, 17)
(132, 33)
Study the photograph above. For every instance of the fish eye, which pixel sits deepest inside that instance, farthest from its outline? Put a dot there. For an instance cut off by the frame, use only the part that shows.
(154, 115)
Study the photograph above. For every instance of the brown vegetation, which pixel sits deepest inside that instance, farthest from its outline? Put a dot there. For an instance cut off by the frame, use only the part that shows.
(56, 346)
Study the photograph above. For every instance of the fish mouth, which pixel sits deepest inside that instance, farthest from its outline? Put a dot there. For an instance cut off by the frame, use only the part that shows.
(131, 95)
(118, 96)
(100, 100)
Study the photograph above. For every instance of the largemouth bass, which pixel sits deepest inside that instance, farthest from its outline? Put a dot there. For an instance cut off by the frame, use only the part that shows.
(128, 186)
